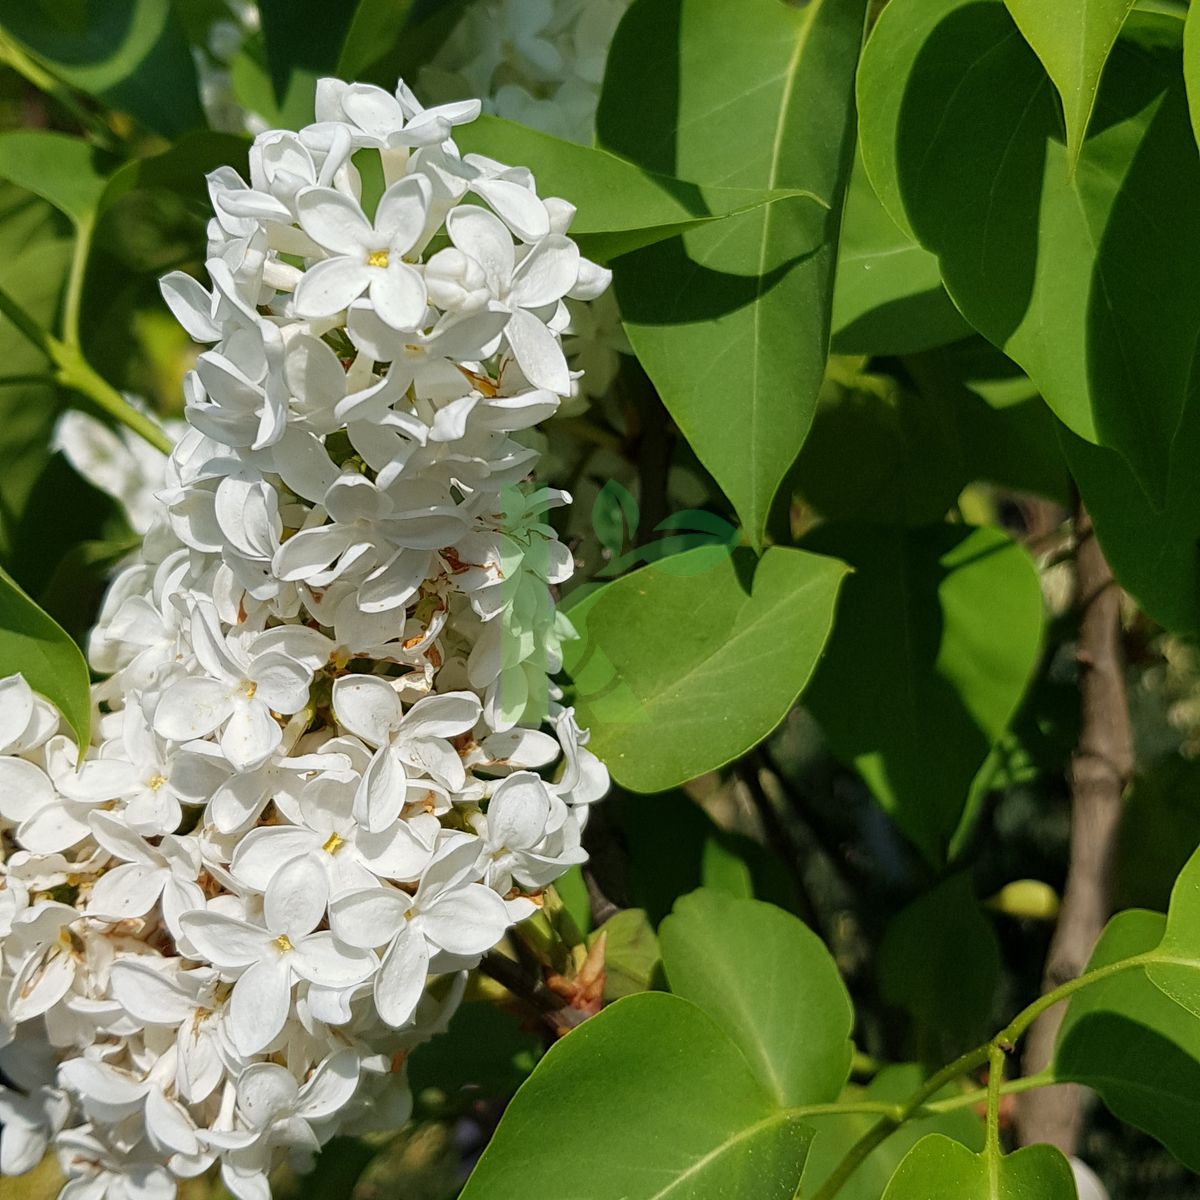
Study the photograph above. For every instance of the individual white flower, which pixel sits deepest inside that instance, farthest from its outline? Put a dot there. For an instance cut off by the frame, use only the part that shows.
(449, 914)
(418, 739)
(147, 875)
(529, 834)
(366, 257)
(269, 959)
(244, 684)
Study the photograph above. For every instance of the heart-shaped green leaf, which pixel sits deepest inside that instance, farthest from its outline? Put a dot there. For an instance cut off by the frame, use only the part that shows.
(770, 984)
(687, 663)
(940, 1169)
(1133, 1045)
(647, 1100)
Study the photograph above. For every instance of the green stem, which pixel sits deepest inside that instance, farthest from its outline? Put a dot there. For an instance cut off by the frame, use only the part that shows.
(1015, 1029)
(991, 1147)
(887, 1125)
(73, 371)
(76, 373)
(25, 324)
(73, 299)
(978, 1096)
(31, 380)
(992, 1052)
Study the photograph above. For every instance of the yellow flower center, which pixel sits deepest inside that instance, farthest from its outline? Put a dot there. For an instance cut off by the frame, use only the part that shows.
(155, 782)
(332, 844)
(284, 943)
(377, 258)
(249, 688)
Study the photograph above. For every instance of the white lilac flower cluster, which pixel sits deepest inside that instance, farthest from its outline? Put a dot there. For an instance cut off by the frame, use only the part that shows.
(329, 770)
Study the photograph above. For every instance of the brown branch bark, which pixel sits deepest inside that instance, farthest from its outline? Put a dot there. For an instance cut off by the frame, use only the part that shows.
(1100, 771)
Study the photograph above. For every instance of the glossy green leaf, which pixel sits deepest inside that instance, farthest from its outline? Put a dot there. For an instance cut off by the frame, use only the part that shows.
(181, 168)
(131, 54)
(373, 29)
(1178, 972)
(35, 249)
(632, 959)
(702, 854)
(836, 1134)
(946, 622)
(940, 1169)
(645, 1101)
(888, 297)
(483, 1053)
(1091, 283)
(770, 984)
(940, 962)
(295, 57)
(621, 206)
(1160, 828)
(1073, 39)
(37, 647)
(64, 170)
(1153, 551)
(687, 663)
(1191, 65)
(732, 322)
(1138, 1049)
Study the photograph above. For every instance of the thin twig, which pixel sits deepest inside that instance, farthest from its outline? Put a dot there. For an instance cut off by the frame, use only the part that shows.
(1100, 771)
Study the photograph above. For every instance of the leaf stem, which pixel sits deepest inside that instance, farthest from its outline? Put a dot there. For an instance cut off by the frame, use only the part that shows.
(993, 1053)
(71, 370)
(887, 1125)
(73, 298)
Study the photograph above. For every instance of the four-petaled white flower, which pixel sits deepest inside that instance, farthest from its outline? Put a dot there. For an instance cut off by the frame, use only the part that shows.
(268, 959)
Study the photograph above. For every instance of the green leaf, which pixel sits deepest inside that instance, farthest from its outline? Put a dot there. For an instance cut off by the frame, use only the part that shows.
(946, 623)
(180, 169)
(940, 1169)
(702, 854)
(35, 250)
(1138, 1049)
(767, 980)
(632, 960)
(34, 645)
(685, 664)
(732, 322)
(394, 39)
(1178, 972)
(295, 57)
(940, 961)
(622, 206)
(1092, 282)
(916, 444)
(1073, 39)
(1160, 828)
(374, 26)
(484, 1053)
(64, 170)
(888, 297)
(645, 1101)
(836, 1134)
(1191, 65)
(131, 54)
(1153, 551)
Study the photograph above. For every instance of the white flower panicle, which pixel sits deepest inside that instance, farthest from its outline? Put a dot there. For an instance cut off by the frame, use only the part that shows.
(325, 776)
